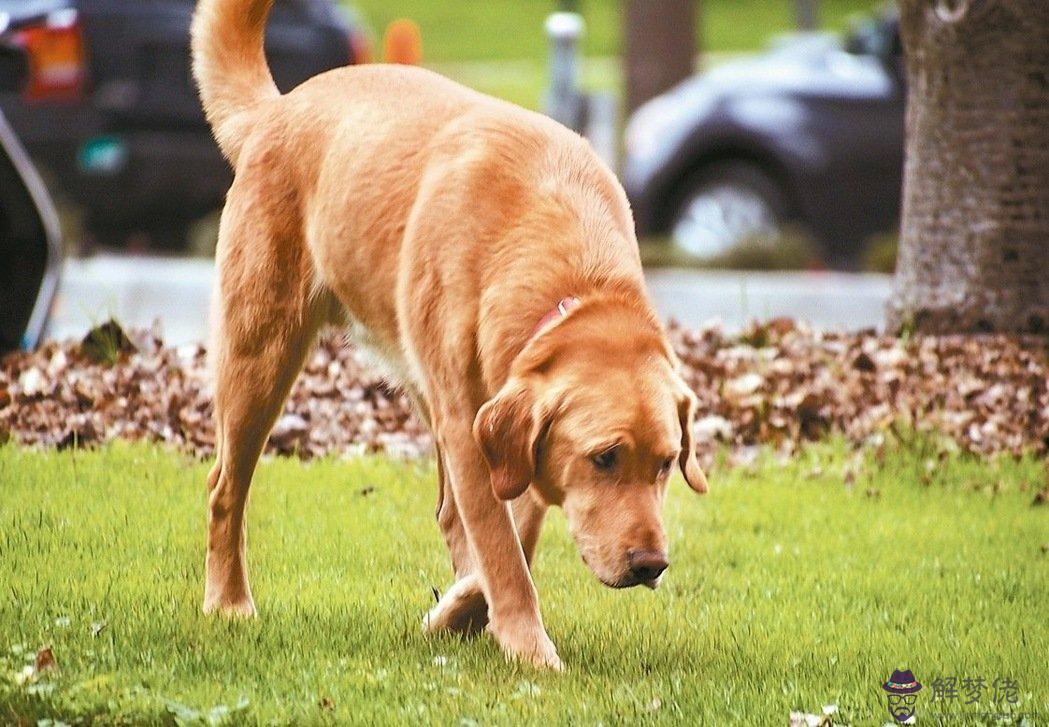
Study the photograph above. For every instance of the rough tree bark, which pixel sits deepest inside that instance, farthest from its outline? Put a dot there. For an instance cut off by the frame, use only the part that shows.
(660, 39)
(974, 239)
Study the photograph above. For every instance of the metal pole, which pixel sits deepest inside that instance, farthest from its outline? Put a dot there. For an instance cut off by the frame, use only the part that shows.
(564, 102)
(808, 12)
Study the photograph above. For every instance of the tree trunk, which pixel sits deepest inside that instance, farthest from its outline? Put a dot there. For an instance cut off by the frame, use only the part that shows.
(974, 240)
(661, 46)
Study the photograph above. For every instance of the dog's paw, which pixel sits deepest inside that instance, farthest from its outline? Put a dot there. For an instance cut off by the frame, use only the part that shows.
(242, 608)
(529, 644)
(461, 610)
(545, 657)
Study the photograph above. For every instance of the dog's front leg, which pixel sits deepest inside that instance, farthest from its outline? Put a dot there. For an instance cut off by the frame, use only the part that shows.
(463, 609)
(513, 605)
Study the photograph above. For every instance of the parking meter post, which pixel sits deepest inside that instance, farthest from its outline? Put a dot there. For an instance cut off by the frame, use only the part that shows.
(602, 124)
(564, 102)
(807, 12)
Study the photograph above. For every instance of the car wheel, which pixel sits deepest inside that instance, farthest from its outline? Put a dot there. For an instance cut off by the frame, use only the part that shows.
(724, 206)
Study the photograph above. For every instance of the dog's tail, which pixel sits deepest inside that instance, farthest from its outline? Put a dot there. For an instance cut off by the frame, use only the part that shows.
(230, 66)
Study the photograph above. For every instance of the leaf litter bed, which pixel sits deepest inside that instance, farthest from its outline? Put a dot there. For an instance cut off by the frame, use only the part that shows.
(779, 384)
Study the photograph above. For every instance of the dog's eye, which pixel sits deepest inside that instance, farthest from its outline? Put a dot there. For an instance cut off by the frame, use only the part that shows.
(606, 460)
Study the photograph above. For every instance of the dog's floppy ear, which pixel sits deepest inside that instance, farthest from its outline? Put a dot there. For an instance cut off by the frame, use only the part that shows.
(508, 428)
(687, 459)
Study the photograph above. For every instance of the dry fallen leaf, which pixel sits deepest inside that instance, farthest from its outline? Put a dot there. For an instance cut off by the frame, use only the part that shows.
(804, 719)
(45, 659)
(743, 386)
(778, 384)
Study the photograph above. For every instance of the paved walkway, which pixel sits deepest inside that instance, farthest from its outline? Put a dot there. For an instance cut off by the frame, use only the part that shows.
(835, 301)
(139, 291)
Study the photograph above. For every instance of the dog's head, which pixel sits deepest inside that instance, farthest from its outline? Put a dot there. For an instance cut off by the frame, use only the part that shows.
(596, 417)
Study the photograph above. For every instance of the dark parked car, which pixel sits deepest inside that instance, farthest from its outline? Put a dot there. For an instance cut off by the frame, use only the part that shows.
(810, 133)
(30, 254)
(110, 111)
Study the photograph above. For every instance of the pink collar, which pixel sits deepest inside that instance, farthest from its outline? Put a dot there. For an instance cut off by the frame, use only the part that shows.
(561, 310)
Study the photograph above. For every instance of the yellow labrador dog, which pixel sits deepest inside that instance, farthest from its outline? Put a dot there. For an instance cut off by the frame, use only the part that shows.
(488, 257)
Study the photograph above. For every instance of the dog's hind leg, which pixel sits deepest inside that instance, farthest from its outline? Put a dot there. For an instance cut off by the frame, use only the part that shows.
(268, 313)
(451, 524)
(463, 609)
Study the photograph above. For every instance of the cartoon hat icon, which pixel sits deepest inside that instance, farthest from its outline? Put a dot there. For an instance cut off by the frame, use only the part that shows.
(902, 682)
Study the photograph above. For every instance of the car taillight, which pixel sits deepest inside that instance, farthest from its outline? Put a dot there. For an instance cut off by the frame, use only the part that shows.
(360, 47)
(57, 63)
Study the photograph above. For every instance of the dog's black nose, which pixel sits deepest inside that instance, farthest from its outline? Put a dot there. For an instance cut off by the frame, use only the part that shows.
(647, 565)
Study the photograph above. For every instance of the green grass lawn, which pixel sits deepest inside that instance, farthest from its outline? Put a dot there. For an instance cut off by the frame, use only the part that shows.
(789, 589)
(512, 29)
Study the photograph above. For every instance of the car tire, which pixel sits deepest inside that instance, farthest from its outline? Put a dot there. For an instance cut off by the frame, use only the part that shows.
(726, 205)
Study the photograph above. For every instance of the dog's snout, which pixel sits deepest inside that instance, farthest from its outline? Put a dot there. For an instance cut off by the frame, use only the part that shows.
(647, 565)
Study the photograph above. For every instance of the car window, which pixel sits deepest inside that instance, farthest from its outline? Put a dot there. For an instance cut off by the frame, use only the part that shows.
(875, 37)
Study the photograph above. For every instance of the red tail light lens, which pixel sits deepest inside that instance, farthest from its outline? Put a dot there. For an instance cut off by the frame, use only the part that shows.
(57, 64)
